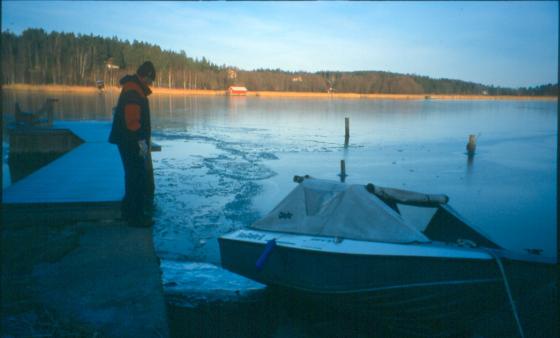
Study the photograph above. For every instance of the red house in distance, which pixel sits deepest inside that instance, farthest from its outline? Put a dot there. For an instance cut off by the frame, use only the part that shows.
(237, 91)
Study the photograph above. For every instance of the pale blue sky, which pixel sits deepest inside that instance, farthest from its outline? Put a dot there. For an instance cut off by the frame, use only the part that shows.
(509, 44)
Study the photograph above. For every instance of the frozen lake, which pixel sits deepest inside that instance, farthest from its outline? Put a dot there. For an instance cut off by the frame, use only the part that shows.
(225, 162)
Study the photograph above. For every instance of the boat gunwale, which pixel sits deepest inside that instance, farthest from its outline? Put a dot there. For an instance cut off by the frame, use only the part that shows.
(477, 253)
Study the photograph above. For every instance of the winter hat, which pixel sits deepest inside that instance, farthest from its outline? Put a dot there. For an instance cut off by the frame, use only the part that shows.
(147, 69)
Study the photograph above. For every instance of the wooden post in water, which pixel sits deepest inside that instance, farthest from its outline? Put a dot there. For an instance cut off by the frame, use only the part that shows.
(346, 131)
(150, 184)
(471, 145)
(342, 171)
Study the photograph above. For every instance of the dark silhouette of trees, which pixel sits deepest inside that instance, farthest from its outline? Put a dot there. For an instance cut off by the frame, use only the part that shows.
(38, 57)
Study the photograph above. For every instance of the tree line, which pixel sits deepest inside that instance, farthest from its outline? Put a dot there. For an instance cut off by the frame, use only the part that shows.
(38, 57)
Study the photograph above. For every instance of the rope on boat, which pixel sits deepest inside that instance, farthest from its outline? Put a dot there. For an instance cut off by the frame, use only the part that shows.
(508, 291)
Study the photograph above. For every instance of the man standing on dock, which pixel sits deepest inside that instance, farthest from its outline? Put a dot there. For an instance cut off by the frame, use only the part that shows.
(131, 132)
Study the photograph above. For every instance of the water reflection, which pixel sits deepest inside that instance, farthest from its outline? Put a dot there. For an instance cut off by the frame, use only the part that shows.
(470, 162)
(371, 121)
(75, 106)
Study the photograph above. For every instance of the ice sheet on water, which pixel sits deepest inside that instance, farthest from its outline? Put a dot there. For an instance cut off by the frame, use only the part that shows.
(190, 284)
(207, 177)
(205, 186)
(255, 141)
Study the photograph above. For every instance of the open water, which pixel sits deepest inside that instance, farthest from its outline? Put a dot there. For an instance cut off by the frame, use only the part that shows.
(225, 162)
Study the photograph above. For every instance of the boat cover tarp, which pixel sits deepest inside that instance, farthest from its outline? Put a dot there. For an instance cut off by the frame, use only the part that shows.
(328, 208)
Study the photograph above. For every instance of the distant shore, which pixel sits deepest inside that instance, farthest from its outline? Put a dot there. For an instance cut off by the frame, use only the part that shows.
(204, 92)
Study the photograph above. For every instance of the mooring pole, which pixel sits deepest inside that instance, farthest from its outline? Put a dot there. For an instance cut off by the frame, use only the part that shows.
(346, 131)
(471, 146)
(342, 171)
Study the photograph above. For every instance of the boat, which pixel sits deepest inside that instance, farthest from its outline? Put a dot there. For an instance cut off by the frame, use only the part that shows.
(403, 256)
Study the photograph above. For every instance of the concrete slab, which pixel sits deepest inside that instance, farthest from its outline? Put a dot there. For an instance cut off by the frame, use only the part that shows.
(111, 282)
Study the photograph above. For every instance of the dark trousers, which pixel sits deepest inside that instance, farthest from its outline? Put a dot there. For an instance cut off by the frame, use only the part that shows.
(135, 179)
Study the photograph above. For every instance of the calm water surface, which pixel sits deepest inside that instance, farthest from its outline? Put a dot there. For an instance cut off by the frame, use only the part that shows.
(225, 162)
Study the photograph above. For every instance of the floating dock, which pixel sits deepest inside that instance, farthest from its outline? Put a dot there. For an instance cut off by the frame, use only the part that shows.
(85, 183)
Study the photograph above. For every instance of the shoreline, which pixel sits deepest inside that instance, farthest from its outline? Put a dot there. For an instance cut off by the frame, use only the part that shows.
(273, 94)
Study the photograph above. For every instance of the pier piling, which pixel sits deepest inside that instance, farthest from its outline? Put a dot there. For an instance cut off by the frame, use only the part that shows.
(342, 171)
(471, 145)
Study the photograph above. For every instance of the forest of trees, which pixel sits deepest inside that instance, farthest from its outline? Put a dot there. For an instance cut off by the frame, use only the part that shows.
(38, 57)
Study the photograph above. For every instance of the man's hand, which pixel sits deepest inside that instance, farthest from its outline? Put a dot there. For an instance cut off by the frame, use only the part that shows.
(143, 148)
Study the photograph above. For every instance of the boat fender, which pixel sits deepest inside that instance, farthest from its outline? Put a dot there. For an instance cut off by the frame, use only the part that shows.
(270, 245)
